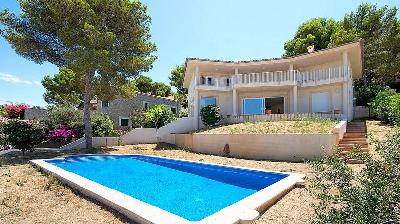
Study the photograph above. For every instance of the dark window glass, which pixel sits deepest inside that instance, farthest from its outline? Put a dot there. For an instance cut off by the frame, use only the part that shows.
(173, 110)
(105, 103)
(124, 122)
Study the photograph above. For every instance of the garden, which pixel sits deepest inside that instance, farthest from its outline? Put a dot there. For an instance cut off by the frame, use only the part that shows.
(62, 125)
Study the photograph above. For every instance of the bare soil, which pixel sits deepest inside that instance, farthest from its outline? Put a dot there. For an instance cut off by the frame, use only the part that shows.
(30, 196)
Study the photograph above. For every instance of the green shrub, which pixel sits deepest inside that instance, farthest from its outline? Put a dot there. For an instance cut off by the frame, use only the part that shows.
(381, 104)
(366, 94)
(367, 196)
(394, 109)
(158, 116)
(59, 117)
(102, 125)
(3, 112)
(23, 135)
(210, 115)
(138, 118)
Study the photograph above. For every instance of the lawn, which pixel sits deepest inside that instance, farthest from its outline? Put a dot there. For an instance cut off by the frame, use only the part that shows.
(274, 127)
(29, 196)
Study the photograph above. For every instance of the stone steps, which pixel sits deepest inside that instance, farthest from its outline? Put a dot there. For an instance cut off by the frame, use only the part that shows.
(355, 136)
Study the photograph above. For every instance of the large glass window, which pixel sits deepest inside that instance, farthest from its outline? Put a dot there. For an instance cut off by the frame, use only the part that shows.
(208, 100)
(253, 106)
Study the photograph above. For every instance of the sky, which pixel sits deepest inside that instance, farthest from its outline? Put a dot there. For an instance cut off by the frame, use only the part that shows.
(215, 29)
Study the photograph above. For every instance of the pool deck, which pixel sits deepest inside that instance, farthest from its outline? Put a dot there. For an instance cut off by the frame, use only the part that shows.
(243, 211)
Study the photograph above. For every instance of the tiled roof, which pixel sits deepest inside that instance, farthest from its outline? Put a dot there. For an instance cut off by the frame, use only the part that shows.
(268, 59)
(170, 98)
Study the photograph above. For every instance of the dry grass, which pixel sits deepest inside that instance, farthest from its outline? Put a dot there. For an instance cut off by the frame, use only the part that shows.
(29, 196)
(269, 127)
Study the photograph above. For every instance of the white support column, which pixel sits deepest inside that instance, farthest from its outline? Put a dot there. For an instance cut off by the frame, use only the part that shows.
(234, 95)
(347, 102)
(196, 101)
(294, 99)
(234, 103)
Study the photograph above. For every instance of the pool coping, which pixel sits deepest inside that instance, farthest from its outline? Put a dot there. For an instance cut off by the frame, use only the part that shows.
(243, 211)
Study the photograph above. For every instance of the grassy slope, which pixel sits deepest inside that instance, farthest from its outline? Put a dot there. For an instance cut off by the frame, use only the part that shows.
(267, 127)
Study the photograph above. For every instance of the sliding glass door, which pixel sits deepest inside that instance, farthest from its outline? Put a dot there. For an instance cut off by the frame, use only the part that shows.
(252, 106)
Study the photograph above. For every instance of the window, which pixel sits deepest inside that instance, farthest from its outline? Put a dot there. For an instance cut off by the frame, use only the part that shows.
(146, 105)
(320, 102)
(173, 110)
(123, 121)
(208, 100)
(209, 81)
(228, 82)
(202, 80)
(252, 106)
(105, 104)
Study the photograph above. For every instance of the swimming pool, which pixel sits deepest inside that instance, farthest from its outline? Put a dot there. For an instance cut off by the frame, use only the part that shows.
(151, 189)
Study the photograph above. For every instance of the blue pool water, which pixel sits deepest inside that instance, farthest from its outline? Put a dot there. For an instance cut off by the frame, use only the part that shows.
(190, 190)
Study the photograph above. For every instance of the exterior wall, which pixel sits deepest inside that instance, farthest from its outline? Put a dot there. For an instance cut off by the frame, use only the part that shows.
(265, 93)
(283, 147)
(122, 107)
(181, 125)
(224, 100)
(304, 104)
(35, 113)
(362, 112)
(139, 135)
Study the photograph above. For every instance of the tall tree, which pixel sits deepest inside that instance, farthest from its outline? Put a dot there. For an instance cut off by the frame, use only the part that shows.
(145, 84)
(380, 28)
(317, 32)
(176, 79)
(94, 38)
(64, 88)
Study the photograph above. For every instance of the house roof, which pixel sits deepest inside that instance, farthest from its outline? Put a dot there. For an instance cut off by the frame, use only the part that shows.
(169, 98)
(355, 50)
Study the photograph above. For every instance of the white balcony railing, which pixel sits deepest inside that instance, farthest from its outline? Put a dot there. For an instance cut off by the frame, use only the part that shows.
(276, 78)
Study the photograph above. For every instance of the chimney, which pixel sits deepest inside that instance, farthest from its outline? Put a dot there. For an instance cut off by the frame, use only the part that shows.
(310, 49)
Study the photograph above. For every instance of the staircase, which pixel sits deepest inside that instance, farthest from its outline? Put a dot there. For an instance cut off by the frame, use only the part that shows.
(356, 134)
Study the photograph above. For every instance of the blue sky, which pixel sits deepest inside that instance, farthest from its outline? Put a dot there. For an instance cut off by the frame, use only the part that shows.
(217, 29)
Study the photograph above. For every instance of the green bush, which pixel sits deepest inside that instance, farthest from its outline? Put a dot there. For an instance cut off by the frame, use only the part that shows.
(23, 135)
(210, 115)
(59, 117)
(386, 106)
(366, 94)
(3, 112)
(367, 196)
(158, 116)
(138, 118)
(102, 125)
(394, 109)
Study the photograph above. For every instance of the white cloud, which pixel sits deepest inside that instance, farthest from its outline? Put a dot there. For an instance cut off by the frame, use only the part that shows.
(16, 79)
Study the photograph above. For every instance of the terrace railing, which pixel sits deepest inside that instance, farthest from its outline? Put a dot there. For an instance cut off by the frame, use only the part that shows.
(281, 117)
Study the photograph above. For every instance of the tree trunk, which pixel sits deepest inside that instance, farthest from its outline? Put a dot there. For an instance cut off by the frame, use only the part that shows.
(86, 109)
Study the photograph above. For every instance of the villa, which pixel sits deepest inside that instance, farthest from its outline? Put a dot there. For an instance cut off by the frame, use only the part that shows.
(316, 82)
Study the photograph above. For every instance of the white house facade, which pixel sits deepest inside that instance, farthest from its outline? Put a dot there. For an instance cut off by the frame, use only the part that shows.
(315, 82)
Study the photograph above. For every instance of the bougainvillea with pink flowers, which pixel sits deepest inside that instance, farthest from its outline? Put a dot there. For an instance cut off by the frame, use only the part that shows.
(63, 134)
(16, 111)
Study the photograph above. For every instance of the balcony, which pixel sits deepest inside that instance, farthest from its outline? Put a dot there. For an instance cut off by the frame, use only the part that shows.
(275, 78)
(294, 77)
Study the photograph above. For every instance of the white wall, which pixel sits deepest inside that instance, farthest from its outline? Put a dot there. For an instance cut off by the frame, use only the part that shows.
(181, 125)
(287, 147)
(139, 135)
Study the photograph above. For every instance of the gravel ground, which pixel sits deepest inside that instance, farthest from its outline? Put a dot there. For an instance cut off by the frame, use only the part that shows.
(29, 196)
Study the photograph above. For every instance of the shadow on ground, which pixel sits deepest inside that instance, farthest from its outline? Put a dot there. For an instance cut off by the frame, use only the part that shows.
(17, 158)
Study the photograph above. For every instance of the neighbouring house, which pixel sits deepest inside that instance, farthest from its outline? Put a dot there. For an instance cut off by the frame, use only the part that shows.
(120, 109)
(315, 82)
